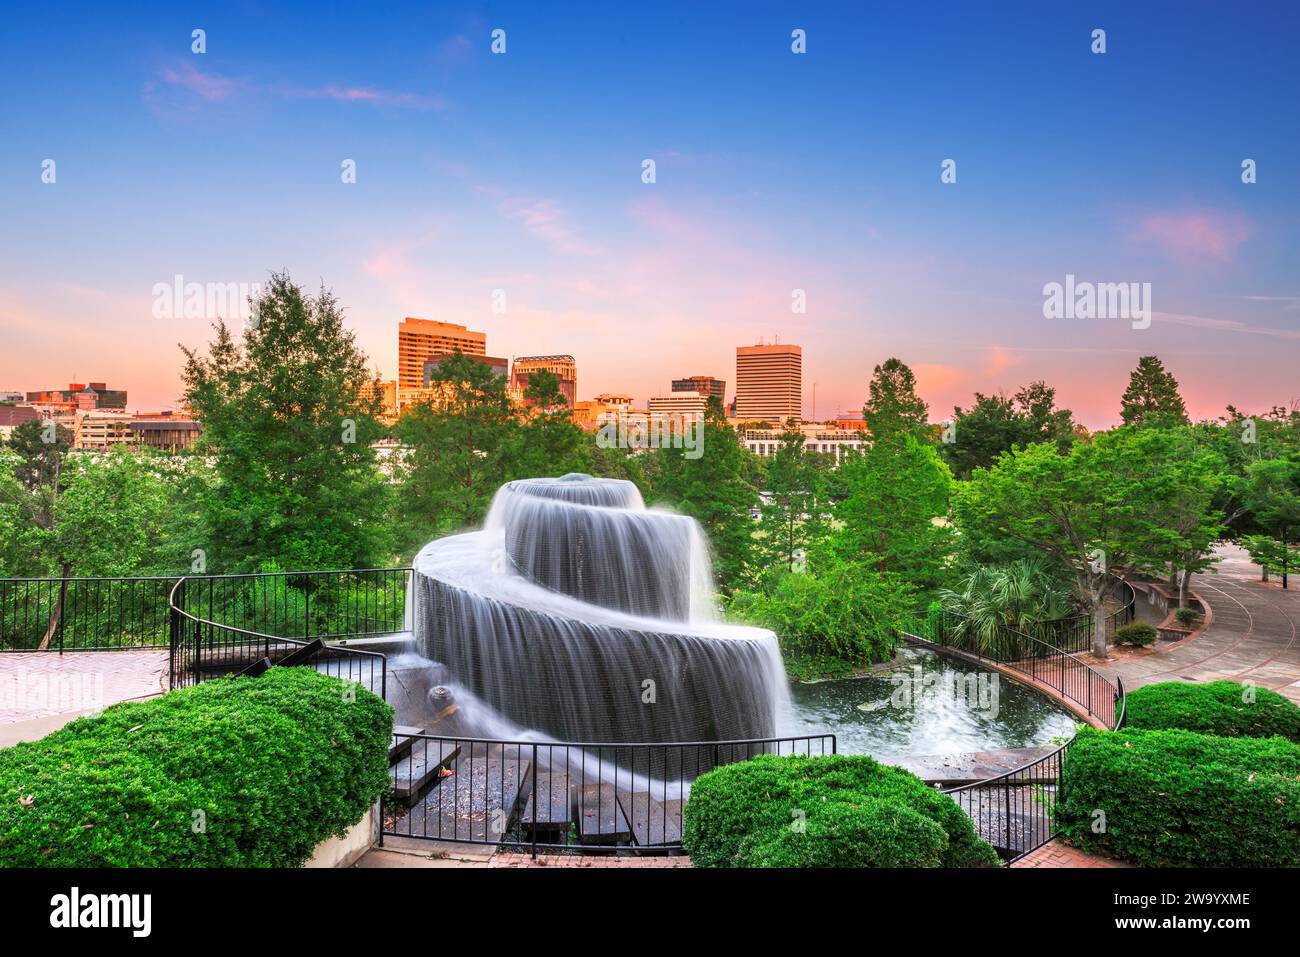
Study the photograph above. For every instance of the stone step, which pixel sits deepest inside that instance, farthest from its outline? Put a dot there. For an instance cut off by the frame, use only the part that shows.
(551, 819)
(403, 739)
(421, 769)
(654, 822)
(599, 816)
(480, 801)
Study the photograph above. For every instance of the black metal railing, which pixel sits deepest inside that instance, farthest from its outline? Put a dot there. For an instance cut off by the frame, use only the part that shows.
(1074, 633)
(223, 624)
(83, 614)
(551, 795)
(1016, 811)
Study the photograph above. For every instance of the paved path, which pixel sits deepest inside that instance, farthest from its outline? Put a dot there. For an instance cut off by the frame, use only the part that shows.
(1253, 636)
(1057, 854)
(44, 683)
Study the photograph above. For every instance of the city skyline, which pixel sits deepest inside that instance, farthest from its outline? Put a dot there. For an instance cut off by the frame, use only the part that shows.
(479, 173)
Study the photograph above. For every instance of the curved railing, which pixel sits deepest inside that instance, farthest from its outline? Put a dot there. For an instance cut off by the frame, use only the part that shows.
(273, 617)
(1016, 811)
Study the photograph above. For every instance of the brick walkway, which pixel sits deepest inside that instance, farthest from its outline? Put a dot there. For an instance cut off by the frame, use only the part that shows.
(40, 684)
(1253, 636)
(513, 859)
(1057, 854)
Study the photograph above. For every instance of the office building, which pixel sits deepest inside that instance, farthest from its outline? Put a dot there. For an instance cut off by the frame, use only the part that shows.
(706, 385)
(769, 382)
(563, 368)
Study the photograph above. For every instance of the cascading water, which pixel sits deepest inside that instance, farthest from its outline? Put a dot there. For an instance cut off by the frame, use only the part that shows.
(580, 614)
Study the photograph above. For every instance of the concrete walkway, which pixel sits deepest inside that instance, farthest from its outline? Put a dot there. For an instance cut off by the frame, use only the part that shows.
(46, 684)
(1253, 636)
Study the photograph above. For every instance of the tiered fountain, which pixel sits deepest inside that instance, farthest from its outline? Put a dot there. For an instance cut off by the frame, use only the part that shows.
(582, 615)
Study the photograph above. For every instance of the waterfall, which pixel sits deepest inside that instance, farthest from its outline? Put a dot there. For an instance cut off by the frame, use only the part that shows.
(580, 614)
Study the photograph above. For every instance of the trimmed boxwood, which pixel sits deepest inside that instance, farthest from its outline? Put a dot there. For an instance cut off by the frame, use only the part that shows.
(1217, 707)
(856, 812)
(1181, 799)
(1137, 633)
(236, 772)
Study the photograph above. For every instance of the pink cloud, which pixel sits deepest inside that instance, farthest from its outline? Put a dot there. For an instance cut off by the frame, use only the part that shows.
(998, 359)
(1196, 234)
(547, 220)
(207, 86)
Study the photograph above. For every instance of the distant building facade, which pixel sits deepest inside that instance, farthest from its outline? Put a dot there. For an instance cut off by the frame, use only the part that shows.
(706, 385)
(823, 437)
(769, 382)
(420, 339)
(13, 416)
(80, 395)
(562, 367)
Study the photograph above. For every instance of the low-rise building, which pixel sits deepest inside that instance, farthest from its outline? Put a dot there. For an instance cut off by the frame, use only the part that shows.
(823, 437)
(12, 416)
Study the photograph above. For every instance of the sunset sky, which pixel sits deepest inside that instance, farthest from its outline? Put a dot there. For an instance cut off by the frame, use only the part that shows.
(775, 172)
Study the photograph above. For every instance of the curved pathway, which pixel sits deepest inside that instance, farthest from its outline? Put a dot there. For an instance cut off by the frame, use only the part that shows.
(1253, 637)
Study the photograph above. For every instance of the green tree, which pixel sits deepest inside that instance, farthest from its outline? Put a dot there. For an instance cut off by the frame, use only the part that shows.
(997, 424)
(1152, 396)
(287, 414)
(458, 448)
(793, 503)
(717, 490)
(893, 408)
(548, 442)
(994, 601)
(1096, 509)
(1273, 496)
(894, 516)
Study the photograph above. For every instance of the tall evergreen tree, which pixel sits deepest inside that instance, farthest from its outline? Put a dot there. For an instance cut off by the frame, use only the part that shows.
(1152, 397)
(893, 408)
(290, 414)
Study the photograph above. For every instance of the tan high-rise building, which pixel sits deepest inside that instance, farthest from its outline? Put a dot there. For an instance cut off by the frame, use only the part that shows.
(418, 339)
(769, 382)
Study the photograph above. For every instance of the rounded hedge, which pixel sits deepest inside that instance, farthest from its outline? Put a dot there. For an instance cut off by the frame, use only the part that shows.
(832, 811)
(1136, 633)
(1181, 799)
(236, 772)
(1217, 707)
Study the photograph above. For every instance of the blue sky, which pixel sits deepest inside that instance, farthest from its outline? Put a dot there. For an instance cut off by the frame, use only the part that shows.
(775, 171)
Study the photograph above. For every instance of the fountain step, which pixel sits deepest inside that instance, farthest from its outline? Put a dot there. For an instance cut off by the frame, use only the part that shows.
(479, 801)
(600, 816)
(401, 745)
(553, 816)
(421, 769)
(654, 822)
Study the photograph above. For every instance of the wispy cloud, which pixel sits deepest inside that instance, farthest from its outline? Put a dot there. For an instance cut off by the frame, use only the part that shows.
(547, 220)
(1195, 234)
(212, 87)
(1224, 325)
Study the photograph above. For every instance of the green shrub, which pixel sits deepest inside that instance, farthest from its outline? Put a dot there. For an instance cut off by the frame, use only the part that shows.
(1185, 616)
(1137, 633)
(1219, 707)
(741, 814)
(235, 772)
(871, 834)
(1180, 799)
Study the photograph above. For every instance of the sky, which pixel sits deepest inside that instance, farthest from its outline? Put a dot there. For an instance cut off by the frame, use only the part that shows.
(774, 172)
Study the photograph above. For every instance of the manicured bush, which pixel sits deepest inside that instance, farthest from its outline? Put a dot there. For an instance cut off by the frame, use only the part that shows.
(1185, 616)
(856, 811)
(1219, 707)
(870, 834)
(235, 772)
(1181, 799)
(1136, 633)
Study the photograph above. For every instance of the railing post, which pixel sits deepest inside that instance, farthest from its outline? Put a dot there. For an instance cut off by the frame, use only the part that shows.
(535, 808)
